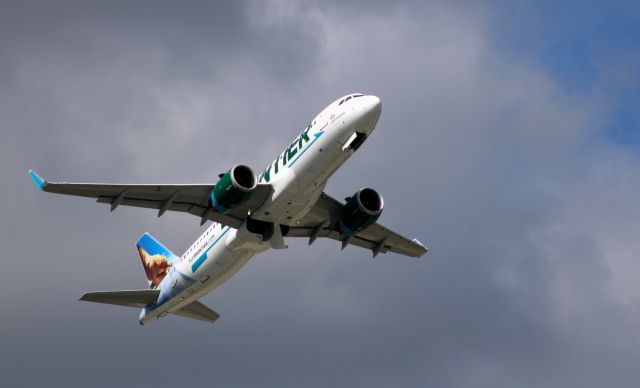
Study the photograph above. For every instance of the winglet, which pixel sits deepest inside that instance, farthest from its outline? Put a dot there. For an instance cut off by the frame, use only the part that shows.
(41, 183)
(415, 241)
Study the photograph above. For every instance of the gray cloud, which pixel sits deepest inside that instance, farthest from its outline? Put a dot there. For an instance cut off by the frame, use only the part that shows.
(479, 152)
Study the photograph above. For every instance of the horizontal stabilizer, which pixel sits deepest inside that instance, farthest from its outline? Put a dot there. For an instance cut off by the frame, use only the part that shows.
(197, 310)
(135, 298)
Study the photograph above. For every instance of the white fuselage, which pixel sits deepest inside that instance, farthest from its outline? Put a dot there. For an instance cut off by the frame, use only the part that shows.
(298, 176)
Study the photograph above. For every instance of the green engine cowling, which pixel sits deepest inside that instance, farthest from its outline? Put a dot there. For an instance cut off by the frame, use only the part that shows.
(233, 188)
(361, 210)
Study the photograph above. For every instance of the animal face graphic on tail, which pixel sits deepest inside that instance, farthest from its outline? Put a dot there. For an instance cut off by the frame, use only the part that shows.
(156, 259)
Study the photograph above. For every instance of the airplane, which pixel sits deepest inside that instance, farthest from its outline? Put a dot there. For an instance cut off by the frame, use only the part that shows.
(251, 213)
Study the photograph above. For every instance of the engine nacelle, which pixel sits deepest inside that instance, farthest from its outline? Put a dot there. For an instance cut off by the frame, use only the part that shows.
(233, 188)
(361, 210)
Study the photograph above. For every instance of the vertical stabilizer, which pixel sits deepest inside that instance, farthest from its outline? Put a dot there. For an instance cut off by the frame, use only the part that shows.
(156, 259)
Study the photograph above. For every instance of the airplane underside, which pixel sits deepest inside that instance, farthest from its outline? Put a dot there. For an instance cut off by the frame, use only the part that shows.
(251, 214)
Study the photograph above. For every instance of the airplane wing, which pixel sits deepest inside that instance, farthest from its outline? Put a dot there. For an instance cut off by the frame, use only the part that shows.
(192, 199)
(195, 199)
(321, 221)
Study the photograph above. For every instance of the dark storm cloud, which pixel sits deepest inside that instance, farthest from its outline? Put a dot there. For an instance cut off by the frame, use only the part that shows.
(479, 153)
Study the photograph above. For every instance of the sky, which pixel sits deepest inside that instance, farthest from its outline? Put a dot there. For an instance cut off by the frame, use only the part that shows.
(509, 143)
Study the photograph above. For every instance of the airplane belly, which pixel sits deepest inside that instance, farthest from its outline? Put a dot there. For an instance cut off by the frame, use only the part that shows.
(310, 174)
(320, 166)
(220, 266)
(295, 206)
(225, 269)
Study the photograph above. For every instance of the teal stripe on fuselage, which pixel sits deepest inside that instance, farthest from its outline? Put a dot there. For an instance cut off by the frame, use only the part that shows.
(317, 135)
(203, 257)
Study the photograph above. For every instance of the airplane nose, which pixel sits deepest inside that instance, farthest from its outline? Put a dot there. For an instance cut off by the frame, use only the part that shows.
(373, 107)
(369, 113)
(374, 104)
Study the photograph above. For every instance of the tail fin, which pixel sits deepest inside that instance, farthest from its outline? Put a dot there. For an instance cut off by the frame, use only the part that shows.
(156, 259)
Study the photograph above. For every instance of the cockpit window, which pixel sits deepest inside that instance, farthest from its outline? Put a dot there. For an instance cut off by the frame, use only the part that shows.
(350, 97)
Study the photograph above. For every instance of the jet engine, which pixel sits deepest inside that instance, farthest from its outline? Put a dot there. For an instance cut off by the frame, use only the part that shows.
(361, 210)
(233, 188)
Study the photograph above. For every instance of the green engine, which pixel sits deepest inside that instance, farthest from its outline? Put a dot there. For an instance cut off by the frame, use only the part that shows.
(361, 210)
(233, 188)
